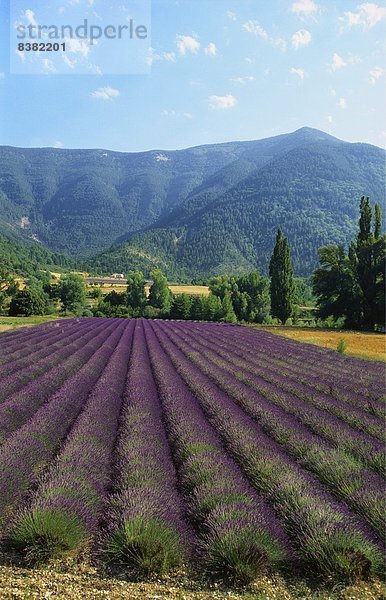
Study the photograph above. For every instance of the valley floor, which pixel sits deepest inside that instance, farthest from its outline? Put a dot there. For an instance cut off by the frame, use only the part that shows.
(371, 346)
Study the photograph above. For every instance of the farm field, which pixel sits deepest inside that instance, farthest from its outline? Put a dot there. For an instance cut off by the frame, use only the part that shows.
(153, 446)
(193, 290)
(363, 345)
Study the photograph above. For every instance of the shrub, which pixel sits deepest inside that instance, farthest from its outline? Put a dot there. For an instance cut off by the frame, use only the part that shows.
(342, 346)
(145, 547)
(42, 534)
(239, 557)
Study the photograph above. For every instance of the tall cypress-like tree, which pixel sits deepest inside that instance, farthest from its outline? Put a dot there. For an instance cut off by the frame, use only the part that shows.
(282, 287)
(353, 286)
(370, 251)
(365, 266)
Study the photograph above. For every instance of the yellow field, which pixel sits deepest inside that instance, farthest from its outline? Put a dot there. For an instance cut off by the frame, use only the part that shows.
(194, 290)
(364, 345)
(107, 288)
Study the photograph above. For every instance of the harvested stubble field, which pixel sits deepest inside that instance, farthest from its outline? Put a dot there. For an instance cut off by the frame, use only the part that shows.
(151, 446)
(364, 345)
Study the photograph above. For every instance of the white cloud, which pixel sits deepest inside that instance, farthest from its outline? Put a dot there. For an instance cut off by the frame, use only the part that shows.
(21, 55)
(48, 66)
(299, 71)
(70, 62)
(255, 28)
(333, 93)
(58, 144)
(351, 18)
(77, 46)
(169, 56)
(280, 43)
(376, 74)
(301, 38)
(187, 43)
(337, 62)
(176, 113)
(368, 15)
(329, 119)
(30, 16)
(243, 80)
(342, 103)
(105, 93)
(155, 56)
(373, 13)
(211, 49)
(306, 7)
(222, 102)
(250, 61)
(231, 15)
(353, 60)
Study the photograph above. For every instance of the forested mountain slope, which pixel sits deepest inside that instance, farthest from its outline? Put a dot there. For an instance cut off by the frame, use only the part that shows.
(194, 212)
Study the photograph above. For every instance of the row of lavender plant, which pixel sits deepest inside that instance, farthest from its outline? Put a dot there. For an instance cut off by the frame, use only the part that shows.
(348, 479)
(356, 395)
(355, 417)
(363, 446)
(28, 451)
(16, 381)
(321, 361)
(36, 356)
(316, 353)
(27, 337)
(240, 535)
(144, 526)
(64, 512)
(21, 405)
(354, 390)
(331, 540)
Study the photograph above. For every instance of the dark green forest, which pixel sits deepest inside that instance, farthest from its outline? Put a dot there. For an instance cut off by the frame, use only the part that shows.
(26, 259)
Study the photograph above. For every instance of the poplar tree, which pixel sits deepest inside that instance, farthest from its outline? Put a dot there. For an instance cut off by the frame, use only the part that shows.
(282, 286)
(160, 295)
(136, 295)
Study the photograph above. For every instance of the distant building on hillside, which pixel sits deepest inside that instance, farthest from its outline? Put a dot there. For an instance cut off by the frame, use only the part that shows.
(118, 276)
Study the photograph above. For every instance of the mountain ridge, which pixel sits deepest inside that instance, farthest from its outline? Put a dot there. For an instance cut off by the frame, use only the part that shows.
(192, 211)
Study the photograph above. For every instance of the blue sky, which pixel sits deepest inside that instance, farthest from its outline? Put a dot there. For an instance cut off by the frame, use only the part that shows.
(214, 70)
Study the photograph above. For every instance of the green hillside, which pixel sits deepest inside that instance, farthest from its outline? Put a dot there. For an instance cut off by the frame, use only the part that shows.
(196, 212)
(26, 259)
(312, 192)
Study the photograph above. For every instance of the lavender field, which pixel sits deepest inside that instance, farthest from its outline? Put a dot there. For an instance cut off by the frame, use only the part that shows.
(155, 444)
